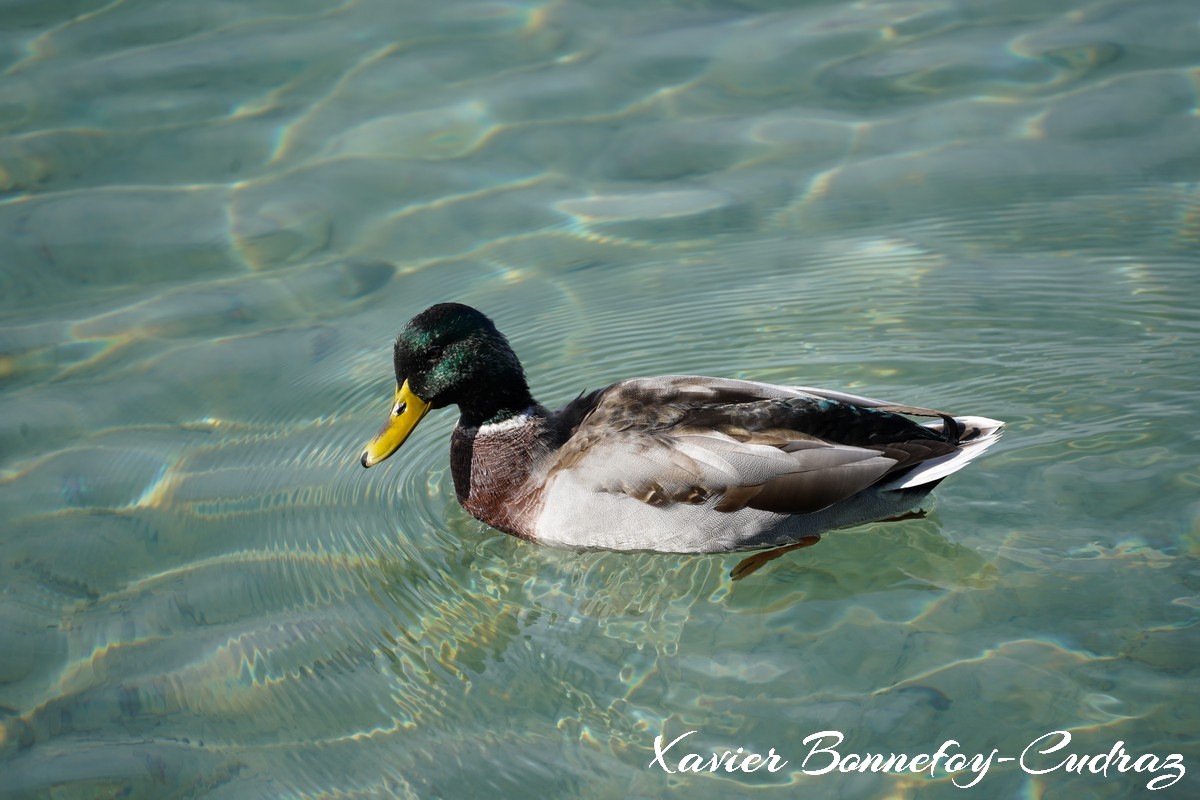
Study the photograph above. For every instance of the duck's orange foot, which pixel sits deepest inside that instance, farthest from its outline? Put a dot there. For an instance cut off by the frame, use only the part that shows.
(750, 564)
(916, 513)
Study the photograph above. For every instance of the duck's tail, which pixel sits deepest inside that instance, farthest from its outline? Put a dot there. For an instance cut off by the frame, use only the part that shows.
(975, 435)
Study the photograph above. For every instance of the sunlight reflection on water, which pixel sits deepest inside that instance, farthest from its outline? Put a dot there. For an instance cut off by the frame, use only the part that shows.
(217, 217)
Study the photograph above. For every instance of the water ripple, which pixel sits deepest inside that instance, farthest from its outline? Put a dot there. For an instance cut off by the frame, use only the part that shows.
(218, 216)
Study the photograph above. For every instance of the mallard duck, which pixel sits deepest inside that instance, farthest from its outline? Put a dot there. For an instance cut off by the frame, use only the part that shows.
(678, 463)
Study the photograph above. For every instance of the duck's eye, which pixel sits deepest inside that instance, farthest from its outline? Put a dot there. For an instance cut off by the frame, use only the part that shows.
(435, 352)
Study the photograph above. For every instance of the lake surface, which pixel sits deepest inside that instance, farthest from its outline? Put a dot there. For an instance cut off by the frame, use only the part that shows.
(215, 216)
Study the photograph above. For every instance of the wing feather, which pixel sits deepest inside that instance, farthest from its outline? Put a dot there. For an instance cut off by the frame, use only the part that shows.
(680, 439)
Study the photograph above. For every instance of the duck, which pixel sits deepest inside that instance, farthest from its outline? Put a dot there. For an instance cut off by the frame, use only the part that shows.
(671, 464)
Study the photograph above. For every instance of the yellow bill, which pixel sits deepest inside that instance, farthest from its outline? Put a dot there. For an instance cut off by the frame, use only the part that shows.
(406, 413)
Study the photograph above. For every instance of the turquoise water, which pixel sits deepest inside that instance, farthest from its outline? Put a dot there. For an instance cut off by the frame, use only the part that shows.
(215, 216)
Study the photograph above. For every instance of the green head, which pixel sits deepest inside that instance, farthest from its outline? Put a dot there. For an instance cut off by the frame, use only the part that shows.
(450, 354)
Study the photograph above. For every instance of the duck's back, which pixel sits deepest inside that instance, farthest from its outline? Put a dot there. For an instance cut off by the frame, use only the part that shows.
(692, 464)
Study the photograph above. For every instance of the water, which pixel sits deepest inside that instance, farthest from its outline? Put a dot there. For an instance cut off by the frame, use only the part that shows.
(215, 216)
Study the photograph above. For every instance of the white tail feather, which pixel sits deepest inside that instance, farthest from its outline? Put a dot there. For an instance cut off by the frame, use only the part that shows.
(979, 433)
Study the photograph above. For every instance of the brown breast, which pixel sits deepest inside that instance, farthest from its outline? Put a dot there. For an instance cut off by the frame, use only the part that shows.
(492, 468)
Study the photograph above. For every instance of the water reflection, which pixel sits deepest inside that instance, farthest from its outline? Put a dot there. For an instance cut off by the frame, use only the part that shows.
(217, 217)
